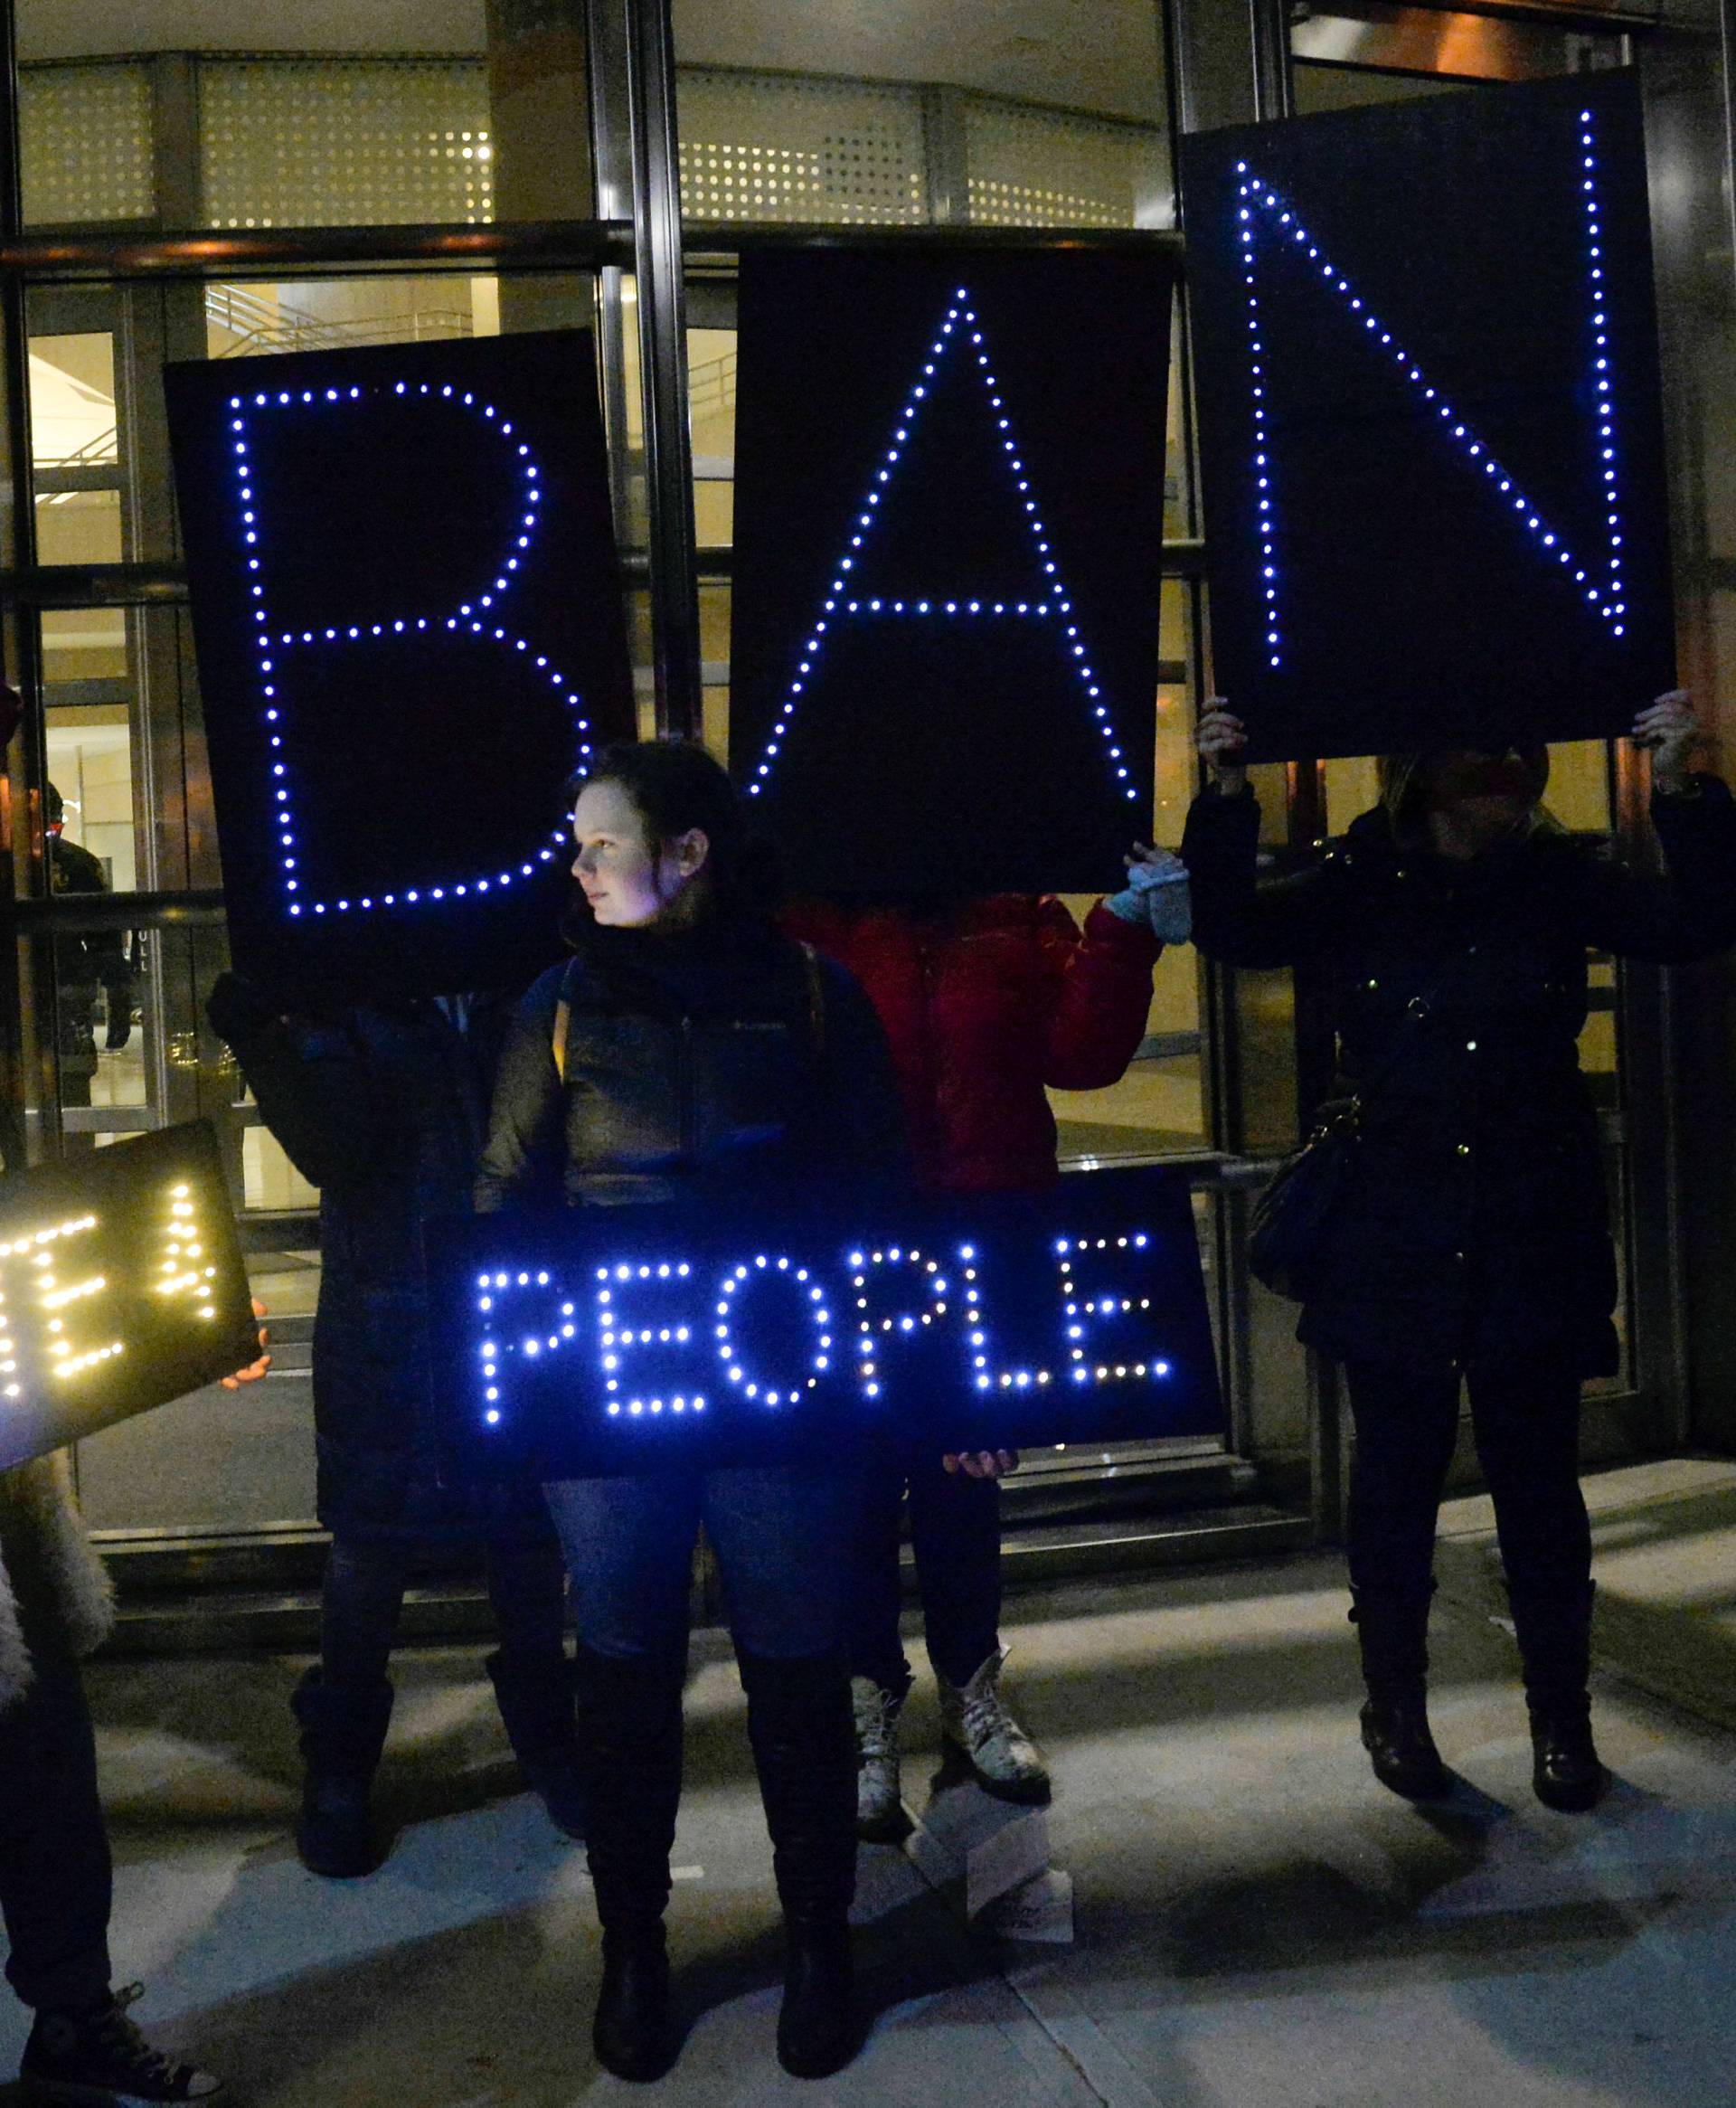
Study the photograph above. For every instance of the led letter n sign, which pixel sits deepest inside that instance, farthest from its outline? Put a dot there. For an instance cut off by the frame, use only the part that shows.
(1430, 422)
(121, 1287)
(625, 1339)
(948, 496)
(410, 632)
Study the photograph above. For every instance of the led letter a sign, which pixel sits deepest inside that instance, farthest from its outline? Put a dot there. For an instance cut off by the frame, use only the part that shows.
(948, 488)
(1430, 428)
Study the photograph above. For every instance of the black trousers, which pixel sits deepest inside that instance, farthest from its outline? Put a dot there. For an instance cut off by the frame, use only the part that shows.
(1526, 1417)
(363, 1597)
(56, 1884)
(956, 1536)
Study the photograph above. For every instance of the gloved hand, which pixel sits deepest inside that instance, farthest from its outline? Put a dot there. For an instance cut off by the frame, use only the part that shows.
(1157, 894)
(120, 1025)
(238, 1010)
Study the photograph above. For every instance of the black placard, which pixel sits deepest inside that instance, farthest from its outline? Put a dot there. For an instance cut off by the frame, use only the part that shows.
(948, 512)
(409, 628)
(1430, 441)
(121, 1286)
(608, 1340)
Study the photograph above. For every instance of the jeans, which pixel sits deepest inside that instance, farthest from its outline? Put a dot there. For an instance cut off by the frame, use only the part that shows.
(363, 1596)
(1525, 1417)
(781, 1538)
(55, 1880)
(956, 1535)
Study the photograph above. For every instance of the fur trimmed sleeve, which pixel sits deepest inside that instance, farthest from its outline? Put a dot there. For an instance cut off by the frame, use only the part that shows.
(49, 1559)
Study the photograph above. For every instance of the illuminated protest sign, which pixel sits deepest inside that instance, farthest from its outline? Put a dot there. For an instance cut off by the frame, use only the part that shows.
(948, 545)
(608, 1340)
(1431, 441)
(411, 631)
(121, 1287)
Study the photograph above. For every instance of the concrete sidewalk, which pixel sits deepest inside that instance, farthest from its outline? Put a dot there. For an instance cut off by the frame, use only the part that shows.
(1258, 1925)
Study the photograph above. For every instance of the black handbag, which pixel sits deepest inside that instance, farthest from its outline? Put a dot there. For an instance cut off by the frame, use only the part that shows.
(1289, 1220)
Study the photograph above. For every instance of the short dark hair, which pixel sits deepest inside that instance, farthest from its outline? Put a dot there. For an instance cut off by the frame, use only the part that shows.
(676, 786)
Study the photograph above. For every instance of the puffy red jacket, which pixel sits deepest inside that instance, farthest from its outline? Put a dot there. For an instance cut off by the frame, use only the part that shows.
(985, 1004)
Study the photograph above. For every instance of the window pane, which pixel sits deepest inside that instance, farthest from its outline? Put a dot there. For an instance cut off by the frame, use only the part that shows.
(481, 114)
(887, 112)
(84, 136)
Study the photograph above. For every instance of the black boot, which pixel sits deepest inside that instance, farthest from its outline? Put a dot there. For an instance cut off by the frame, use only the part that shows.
(1555, 1634)
(535, 1694)
(1393, 1634)
(630, 1764)
(800, 1724)
(343, 1733)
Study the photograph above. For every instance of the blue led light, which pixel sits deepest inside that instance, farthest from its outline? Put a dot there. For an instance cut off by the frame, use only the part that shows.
(960, 325)
(1262, 208)
(286, 641)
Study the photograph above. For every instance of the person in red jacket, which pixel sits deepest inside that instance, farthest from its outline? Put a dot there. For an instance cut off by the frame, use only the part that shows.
(985, 1003)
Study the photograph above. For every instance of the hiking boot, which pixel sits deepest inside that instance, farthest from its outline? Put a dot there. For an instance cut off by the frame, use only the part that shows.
(975, 1720)
(881, 1819)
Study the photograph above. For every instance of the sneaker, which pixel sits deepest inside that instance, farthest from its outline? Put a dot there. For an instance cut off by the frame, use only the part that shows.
(881, 1819)
(99, 2060)
(973, 1718)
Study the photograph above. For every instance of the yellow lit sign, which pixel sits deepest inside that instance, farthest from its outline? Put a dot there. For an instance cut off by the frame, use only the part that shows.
(121, 1287)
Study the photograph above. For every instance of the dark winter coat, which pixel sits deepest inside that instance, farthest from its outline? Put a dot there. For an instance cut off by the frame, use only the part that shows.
(983, 1004)
(384, 1111)
(708, 1060)
(1476, 1222)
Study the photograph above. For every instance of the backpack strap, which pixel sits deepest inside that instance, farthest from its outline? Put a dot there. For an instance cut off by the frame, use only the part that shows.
(563, 1024)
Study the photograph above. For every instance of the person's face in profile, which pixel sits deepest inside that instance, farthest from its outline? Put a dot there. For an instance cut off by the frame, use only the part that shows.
(628, 880)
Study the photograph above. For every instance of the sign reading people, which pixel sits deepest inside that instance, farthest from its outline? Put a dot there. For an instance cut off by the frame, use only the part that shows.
(1430, 439)
(611, 1341)
(121, 1286)
(409, 620)
(948, 519)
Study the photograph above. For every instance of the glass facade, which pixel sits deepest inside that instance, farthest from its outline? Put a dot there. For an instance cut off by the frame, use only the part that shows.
(472, 171)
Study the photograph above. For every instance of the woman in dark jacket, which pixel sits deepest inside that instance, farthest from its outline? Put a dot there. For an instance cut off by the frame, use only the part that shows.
(1471, 1245)
(689, 1048)
(383, 1109)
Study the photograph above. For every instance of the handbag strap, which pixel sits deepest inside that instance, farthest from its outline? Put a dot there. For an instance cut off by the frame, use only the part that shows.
(1416, 1013)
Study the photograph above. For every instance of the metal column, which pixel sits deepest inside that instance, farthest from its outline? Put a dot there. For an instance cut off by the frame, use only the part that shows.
(663, 367)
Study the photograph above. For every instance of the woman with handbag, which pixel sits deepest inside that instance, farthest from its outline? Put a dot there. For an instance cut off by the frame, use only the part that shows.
(689, 1049)
(1447, 1226)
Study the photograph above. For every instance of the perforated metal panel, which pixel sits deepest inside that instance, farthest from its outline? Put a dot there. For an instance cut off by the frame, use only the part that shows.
(84, 138)
(769, 146)
(1039, 168)
(340, 142)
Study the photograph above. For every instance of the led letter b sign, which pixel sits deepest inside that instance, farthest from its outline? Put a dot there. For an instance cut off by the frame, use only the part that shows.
(1429, 424)
(408, 623)
(121, 1287)
(627, 1339)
